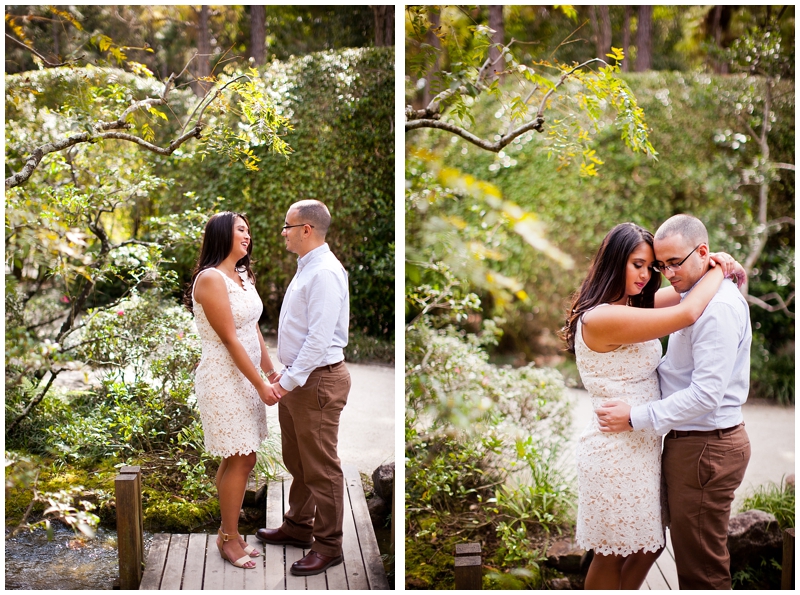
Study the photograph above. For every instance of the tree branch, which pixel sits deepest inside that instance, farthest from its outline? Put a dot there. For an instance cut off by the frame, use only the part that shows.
(781, 305)
(84, 137)
(35, 401)
(495, 147)
(789, 166)
(38, 55)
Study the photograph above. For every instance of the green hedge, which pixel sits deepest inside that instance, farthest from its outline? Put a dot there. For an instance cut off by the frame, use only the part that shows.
(342, 109)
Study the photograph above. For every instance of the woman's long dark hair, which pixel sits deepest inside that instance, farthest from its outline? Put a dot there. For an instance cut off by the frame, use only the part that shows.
(217, 245)
(606, 280)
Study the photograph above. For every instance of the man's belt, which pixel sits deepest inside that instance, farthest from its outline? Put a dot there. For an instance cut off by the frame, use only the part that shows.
(685, 433)
(329, 367)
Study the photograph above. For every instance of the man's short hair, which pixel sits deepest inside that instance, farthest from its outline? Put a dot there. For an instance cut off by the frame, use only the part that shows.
(686, 226)
(313, 212)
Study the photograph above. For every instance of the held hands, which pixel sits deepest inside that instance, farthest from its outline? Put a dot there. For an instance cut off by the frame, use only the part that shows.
(613, 416)
(268, 395)
(730, 267)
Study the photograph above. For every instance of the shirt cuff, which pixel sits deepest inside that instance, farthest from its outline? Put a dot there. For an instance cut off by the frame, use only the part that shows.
(640, 417)
(285, 380)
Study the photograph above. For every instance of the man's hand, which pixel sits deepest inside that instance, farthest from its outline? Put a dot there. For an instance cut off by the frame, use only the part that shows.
(613, 416)
(279, 390)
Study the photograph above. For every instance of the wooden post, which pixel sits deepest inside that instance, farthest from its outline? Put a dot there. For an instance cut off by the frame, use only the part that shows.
(787, 568)
(130, 538)
(468, 567)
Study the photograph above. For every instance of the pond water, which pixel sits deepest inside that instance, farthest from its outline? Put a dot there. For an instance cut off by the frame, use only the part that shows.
(33, 562)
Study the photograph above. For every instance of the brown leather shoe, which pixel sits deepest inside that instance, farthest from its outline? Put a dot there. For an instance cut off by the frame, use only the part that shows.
(314, 563)
(278, 537)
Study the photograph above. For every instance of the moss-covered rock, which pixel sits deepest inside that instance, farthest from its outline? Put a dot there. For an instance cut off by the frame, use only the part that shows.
(174, 514)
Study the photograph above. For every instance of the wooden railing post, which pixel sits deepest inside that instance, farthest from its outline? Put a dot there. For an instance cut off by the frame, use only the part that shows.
(130, 534)
(468, 567)
(787, 568)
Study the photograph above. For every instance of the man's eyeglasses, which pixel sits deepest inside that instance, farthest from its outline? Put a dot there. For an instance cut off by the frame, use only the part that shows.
(659, 268)
(298, 225)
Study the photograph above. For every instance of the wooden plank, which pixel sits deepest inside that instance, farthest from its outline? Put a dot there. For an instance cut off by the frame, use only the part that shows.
(292, 554)
(275, 571)
(336, 578)
(129, 548)
(655, 579)
(787, 568)
(156, 557)
(371, 555)
(233, 577)
(255, 579)
(317, 582)
(354, 564)
(173, 568)
(213, 576)
(196, 561)
(667, 565)
(468, 571)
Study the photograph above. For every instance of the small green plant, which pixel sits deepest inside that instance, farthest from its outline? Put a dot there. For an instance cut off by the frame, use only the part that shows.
(776, 499)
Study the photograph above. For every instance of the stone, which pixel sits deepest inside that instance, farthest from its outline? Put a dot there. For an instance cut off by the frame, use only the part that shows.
(383, 481)
(789, 481)
(378, 510)
(565, 555)
(560, 584)
(753, 535)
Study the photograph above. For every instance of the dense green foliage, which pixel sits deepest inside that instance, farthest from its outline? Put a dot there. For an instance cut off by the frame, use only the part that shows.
(342, 107)
(482, 441)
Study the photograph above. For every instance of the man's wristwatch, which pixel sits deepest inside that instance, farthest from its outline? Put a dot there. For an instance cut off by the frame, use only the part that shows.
(630, 423)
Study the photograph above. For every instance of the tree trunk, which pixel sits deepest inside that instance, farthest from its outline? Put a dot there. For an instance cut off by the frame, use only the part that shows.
(56, 48)
(718, 21)
(432, 40)
(644, 34)
(498, 38)
(602, 29)
(202, 63)
(626, 40)
(384, 25)
(258, 34)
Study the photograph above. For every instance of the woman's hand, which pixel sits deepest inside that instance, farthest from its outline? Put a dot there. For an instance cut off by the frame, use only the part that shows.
(267, 394)
(730, 266)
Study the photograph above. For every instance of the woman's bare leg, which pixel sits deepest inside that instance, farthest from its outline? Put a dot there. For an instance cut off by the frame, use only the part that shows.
(605, 572)
(231, 484)
(636, 567)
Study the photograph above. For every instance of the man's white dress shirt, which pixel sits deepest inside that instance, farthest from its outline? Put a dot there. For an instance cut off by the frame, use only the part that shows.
(315, 314)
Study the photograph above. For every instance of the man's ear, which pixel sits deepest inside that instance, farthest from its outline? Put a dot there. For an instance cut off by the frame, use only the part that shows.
(703, 250)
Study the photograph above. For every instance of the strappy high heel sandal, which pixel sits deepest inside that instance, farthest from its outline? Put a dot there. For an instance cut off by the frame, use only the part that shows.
(250, 550)
(240, 563)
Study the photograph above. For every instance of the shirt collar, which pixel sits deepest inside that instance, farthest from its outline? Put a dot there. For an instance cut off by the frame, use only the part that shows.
(312, 255)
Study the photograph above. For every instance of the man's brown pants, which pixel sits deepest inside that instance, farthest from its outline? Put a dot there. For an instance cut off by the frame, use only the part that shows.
(309, 418)
(701, 474)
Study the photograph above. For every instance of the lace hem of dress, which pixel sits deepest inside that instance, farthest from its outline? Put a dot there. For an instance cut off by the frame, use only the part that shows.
(608, 550)
(246, 450)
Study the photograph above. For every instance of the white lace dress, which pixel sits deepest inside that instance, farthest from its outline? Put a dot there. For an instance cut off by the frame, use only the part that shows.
(619, 475)
(234, 417)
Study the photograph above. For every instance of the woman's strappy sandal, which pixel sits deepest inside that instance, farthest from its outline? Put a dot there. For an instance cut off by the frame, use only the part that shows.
(250, 550)
(240, 563)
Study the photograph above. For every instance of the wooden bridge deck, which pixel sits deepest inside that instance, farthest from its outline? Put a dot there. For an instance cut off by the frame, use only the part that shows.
(663, 576)
(193, 561)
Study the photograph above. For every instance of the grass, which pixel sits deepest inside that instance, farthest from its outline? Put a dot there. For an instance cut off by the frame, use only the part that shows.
(777, 499)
